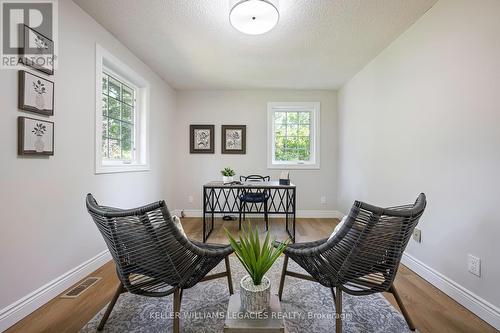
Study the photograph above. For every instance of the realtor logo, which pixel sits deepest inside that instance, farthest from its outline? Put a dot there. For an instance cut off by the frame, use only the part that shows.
(28, 35)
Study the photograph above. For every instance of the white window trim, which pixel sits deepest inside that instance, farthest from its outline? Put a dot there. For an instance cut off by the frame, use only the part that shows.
(315, 109)
(105, 61)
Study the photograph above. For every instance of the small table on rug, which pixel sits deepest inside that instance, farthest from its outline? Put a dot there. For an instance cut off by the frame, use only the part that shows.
(238, 321)
(220, 198)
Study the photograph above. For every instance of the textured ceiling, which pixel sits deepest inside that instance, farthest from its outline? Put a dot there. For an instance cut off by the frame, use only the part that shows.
(317, 44)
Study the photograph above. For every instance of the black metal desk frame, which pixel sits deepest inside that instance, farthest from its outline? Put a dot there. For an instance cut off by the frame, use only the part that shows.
(219, 198)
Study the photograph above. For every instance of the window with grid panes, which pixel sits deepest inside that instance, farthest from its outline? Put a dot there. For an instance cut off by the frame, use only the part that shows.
(293, 136)
(118, 119)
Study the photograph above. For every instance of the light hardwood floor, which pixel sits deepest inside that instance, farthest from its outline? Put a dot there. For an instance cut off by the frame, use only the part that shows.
(431, 310)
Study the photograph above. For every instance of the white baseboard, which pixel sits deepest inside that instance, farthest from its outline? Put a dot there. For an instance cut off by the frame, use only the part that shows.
(300, 213)
(320, 214)
(479, 306)
(26, 305)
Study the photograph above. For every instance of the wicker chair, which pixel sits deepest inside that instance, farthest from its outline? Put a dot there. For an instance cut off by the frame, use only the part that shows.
(362, 257)
(252, 197)
(152, 257)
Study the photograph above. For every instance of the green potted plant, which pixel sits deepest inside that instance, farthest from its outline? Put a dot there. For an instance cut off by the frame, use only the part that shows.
(257, 259)
(227, 175)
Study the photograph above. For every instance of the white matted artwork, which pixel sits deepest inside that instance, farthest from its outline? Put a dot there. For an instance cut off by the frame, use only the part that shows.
(36, 94)
(234, 139)
(202, 139)
(35, 136)
(37, 51)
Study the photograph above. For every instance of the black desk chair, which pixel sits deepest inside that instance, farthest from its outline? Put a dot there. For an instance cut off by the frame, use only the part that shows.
(252, 197)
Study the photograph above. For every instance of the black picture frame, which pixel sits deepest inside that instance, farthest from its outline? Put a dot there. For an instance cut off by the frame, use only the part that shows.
(27, 56)
(41, 83)
(199, 143)
(23, 147)
(234, 145)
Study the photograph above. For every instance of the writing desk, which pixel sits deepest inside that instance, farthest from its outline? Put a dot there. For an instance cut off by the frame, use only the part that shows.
(220, 198)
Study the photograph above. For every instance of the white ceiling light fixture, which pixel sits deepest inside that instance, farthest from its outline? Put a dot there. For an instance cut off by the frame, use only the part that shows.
(254, 17)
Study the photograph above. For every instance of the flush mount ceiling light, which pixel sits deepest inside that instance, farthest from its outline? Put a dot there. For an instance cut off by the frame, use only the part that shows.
(254, 17)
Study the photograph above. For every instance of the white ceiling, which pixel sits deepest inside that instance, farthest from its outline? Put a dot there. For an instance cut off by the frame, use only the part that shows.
(317, 44)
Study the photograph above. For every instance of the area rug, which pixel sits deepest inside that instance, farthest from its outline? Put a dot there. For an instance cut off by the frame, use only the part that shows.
(306, 306)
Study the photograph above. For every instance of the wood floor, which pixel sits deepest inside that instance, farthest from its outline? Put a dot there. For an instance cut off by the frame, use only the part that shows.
(431, 310)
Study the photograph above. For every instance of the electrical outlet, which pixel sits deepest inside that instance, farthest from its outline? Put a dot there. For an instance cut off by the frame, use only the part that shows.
(474, 265)
(323, 200)
(190, 199)
(417, 235)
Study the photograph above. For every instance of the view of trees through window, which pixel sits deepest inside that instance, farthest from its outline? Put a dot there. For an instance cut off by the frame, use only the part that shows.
(118, 111)
(292, 137)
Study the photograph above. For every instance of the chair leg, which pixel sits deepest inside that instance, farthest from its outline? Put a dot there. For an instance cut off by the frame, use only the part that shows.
(338, 309)
(282, 281)
(239, 216)
(229, 278)
(104, 319)
(244, 211)
(402, 307)
(177, 310)
(266, 216)
(242, 208)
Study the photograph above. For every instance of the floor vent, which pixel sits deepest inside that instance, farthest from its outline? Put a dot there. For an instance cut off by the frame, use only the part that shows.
(80, 288)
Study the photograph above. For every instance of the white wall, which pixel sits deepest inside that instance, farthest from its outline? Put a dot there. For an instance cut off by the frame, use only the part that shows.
(424, 116)
(249, 107)
(45, 229)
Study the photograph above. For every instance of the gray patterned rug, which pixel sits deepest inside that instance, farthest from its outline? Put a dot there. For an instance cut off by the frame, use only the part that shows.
(307, 306)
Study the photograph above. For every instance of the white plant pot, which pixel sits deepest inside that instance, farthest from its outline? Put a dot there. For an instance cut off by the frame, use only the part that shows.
(255, 299)
(226, 179)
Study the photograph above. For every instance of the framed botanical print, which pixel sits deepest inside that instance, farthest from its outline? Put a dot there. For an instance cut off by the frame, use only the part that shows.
(201, 139)
(36, 94)
(37, 51)
(35, 136)
(234, 139)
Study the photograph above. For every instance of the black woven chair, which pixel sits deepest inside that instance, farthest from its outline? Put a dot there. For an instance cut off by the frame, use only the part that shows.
(152, 257)
(253, 197)
(363, 257)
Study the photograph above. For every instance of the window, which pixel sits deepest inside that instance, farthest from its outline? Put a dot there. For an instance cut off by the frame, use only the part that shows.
(293, 138)
(118, 119)
(121, 116)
